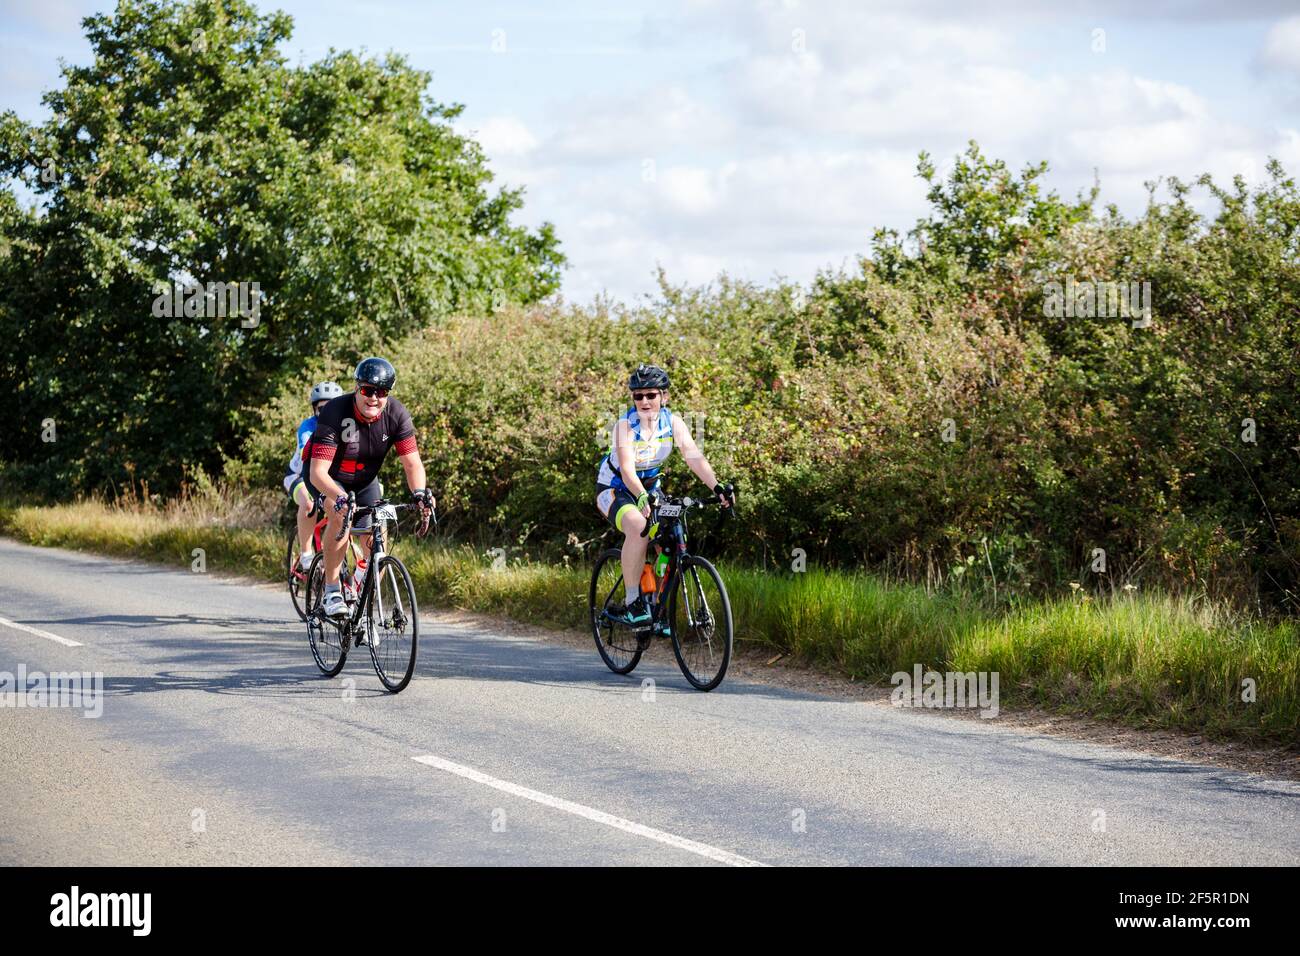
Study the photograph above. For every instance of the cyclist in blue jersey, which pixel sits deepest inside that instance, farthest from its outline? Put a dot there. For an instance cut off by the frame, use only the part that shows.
(642, 442)
(293, 480)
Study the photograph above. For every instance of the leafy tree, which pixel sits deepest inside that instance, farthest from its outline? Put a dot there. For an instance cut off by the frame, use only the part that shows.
(190, 150)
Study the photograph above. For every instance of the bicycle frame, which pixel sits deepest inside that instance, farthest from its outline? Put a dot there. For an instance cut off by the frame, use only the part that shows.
(316, 531)
(364, 598)
(381, 512)
(673, 540)
(670, 536)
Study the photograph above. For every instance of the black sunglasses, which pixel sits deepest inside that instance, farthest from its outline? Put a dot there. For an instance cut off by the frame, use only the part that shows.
(644, 396)
(370, 391)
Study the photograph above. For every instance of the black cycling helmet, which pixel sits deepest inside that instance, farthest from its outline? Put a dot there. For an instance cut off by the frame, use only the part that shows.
(377, 372)
(648, 376)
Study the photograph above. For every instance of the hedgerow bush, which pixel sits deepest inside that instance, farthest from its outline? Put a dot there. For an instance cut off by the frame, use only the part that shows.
(921, 412)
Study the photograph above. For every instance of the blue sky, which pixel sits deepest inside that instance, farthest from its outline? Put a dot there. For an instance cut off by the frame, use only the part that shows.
(770, 138)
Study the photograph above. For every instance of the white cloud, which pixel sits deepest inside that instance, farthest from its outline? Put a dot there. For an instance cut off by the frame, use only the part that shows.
(782, 154)
(695, 192)
(645, 124)
(1281, 51)
(503, 136)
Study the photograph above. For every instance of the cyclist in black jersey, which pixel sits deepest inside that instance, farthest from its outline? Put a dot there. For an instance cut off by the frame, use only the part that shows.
(353, 435)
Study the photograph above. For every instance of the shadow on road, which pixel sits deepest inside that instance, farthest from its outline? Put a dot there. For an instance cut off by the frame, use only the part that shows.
(286, 682)
(263, 652)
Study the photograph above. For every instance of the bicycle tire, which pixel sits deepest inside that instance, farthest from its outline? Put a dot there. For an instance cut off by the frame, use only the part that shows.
(329, 657)
(618, 647)
(295, 585)
(391, 568)
(698, 640)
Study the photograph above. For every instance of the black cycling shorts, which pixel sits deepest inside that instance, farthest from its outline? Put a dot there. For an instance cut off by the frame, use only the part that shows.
(367, 494)
(613, 502)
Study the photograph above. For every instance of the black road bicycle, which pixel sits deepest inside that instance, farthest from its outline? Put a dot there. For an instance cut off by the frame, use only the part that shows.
(383, 614)
(689, 604)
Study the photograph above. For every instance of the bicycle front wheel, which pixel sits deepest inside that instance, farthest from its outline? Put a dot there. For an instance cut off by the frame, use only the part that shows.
(618, 644)
(326, 639)
(700, 613)
(394, 624)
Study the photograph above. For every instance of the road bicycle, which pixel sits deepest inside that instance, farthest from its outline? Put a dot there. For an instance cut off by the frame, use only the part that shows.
(688, 600)
(382, 613)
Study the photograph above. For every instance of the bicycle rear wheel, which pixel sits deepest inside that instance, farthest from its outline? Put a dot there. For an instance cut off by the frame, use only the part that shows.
(618, 644)
(700, 613)
(394, 620)
(292, 573)
(325, 638)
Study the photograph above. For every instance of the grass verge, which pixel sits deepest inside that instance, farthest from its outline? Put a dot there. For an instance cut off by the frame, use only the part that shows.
(1146, 660)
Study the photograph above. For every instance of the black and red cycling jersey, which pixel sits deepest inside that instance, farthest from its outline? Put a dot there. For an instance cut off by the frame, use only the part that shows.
(356, 462)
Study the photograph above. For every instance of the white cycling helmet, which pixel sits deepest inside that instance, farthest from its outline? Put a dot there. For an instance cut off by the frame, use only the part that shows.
(324, 392)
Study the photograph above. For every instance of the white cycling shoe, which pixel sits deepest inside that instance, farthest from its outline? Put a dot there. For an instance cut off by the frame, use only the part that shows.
(334, 606)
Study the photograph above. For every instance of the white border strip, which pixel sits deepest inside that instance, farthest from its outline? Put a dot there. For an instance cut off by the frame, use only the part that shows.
(599, 816)
(39, 633)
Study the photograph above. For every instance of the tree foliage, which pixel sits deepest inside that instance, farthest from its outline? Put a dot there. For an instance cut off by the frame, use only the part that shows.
(191, 150)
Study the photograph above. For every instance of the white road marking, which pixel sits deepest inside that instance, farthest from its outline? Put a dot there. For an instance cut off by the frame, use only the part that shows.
(599, 816)
(39, 633)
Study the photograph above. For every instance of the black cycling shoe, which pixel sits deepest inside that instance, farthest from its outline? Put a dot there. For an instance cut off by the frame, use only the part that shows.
(636, 614)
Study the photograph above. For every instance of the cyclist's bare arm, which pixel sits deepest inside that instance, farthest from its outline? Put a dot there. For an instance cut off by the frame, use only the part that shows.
(695, 459)
(322, 482)
(627, 462)
(415, 476)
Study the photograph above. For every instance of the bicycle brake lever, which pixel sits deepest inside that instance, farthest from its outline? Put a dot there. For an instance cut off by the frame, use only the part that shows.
(347, 517)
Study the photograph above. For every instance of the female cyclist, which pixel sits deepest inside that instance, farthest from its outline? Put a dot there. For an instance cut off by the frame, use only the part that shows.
(643, 439)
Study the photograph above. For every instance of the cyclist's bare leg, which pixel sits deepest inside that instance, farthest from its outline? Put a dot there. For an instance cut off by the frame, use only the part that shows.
(305, 521)
(333, 548)
(634, 550)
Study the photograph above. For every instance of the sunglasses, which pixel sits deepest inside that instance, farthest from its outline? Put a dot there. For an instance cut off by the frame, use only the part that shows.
(644, 396)
(370, 391)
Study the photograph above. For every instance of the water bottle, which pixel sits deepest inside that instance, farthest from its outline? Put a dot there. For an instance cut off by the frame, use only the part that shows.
(661, 566)
(648, 584)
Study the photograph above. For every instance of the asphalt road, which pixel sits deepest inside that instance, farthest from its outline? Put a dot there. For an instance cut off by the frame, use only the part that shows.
(219, 742)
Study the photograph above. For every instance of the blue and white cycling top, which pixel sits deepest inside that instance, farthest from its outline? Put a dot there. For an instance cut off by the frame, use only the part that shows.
(650, 449)
(304, 434)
